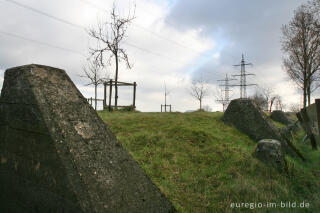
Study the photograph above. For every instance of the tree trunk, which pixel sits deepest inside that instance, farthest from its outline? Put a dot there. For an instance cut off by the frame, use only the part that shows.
(309, 96)
(95, 97)
(116, 84)
(271, 102)
(304, 94)
(200, 104)
(309, 75)
(309, 93)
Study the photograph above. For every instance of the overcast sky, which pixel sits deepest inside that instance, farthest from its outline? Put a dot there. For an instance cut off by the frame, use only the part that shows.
(170, 41)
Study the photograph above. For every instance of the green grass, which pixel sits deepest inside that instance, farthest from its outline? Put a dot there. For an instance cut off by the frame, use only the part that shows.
(203, 165)
(277, 124)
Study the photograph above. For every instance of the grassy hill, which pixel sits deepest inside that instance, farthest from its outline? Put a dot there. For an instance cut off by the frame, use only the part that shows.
(203, 165)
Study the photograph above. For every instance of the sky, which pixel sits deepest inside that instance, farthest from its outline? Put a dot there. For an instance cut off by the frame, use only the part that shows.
(169, 42)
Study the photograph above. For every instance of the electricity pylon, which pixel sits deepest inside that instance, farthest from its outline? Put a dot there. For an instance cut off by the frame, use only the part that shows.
(243, 78)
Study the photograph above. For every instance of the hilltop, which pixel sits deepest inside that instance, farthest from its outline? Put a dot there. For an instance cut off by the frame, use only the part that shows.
(204, 165)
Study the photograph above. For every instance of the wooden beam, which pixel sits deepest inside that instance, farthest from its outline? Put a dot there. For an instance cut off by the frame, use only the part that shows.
(306, 121)
(292, 146)
(317, 103)
(134, 94)
(298, 114)
(121, 84)
(110, 95)
(105, 95)
(126, 83)
(121, 106)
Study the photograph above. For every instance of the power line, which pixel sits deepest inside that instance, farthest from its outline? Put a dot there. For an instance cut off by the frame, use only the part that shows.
(165, 20)
(44, 14)
(243, 78)
(41, 43)
(76, 52)
(147, 30)
(74, 25)
(169, 40)
(156, 54)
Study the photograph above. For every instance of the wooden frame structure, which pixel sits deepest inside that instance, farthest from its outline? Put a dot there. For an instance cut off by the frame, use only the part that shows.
(309, 118)
(165, 107)
(91, 100)
(111, 83)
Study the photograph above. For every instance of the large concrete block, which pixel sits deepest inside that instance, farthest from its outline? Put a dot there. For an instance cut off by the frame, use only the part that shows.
(247, 117)
(269, 151)
(281, 117)
(57, 155)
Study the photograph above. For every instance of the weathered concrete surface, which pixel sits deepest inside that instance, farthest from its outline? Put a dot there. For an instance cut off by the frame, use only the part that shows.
(270, 152)
(57, 155)
(286, 132)
(281, 117)
(247, 117)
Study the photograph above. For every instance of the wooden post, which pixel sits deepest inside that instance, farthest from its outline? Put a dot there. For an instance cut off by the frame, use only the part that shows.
(170, 107)
(298, 114)
(161, 107)
(317, 103)
(292, 146)
(306, 121)
(91, 101)
(134, 94)
(105, 95)
(110, 95)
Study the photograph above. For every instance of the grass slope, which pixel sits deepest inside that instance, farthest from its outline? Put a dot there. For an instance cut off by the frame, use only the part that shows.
(203, 165)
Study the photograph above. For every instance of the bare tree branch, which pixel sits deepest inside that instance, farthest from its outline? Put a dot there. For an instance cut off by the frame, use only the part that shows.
(301, 45)
(110, 37)
(198, 90)
(92, 71)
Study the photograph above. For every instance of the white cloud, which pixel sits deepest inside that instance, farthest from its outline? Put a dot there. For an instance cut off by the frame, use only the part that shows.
(169, 54)
(1, 78)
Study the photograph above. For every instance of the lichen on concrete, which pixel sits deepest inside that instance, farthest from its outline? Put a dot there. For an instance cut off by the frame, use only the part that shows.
(247, 117)
(56, 146)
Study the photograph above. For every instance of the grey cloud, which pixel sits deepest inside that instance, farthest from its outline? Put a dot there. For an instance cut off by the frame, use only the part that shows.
(248, 26)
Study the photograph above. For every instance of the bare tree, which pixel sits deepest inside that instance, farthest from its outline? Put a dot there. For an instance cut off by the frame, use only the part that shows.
(272, 101)
(279, 103)
(294, 107)
(301, 45)
(259, 100)
(110, 37)
(199, 90)
(263, 97)
(268, 94)
(314, 7)
(92, 71)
